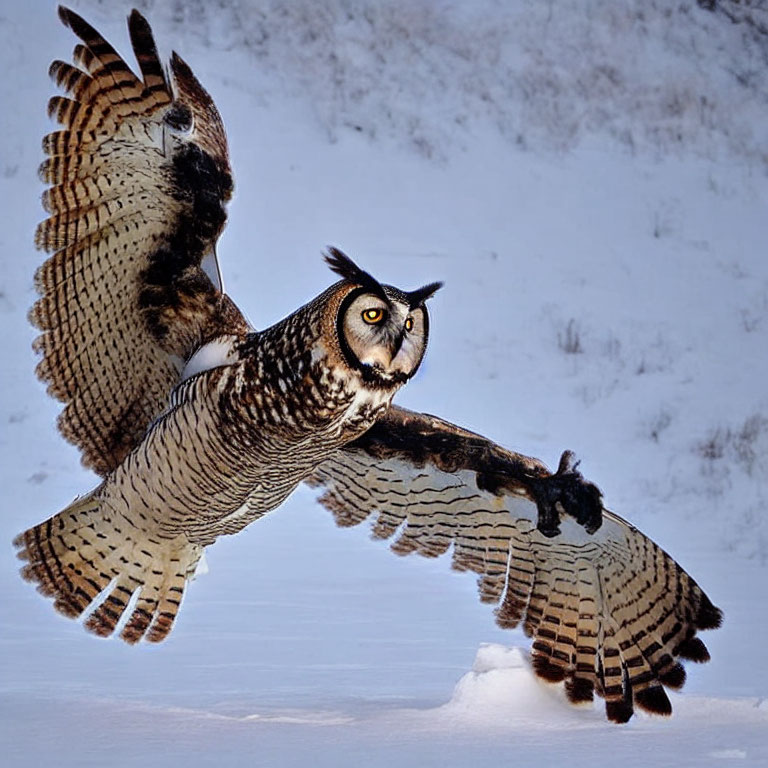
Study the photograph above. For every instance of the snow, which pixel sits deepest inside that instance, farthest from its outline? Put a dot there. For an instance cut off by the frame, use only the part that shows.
(606, 291)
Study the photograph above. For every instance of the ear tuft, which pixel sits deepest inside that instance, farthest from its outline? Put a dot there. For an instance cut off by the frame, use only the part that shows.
(343, 266)
(420, 295)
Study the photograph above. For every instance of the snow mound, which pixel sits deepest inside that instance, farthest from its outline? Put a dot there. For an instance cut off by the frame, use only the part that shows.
(502, 691)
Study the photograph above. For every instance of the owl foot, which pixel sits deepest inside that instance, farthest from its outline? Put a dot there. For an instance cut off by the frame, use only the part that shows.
(567, 492)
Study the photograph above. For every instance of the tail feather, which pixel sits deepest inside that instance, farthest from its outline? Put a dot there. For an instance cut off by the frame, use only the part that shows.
(87, 556)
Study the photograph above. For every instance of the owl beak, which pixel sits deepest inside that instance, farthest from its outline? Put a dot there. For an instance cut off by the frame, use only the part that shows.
(379, 359)
(383, 358)
(396, 346)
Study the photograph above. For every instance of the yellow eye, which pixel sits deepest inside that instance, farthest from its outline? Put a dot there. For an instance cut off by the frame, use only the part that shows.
(409, 324)
(373, 316)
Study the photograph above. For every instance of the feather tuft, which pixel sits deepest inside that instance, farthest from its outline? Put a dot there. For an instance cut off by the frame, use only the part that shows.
(420, 295)
(343, 266)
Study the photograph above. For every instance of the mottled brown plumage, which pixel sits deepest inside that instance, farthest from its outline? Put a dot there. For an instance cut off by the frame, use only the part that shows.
(236, 439)
(199, 424)
(608, 612)
(136, 202)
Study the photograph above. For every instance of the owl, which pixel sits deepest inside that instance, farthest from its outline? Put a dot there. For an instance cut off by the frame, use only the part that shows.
(199, 424)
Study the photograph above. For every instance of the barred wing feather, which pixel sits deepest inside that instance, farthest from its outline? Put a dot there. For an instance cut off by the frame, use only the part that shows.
(139, 177)
(609, 612)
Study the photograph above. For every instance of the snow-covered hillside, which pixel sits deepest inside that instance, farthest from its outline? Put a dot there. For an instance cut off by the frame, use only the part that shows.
(591, 182)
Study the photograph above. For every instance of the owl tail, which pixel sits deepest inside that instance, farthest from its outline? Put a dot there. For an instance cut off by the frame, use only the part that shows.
(87, 556)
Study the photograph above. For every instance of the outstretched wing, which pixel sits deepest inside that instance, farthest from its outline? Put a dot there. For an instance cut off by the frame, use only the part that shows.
(609, 611)
(139, 178)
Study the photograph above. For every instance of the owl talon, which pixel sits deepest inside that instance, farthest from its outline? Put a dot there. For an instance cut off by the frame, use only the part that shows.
(546, 529)
(567, 492)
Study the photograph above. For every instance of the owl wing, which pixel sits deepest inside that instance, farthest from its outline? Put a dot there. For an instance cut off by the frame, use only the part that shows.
(609, 611)
(139, 177)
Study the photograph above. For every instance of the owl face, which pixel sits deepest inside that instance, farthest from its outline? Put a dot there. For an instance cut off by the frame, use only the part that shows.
(382, 330)
(384, 337)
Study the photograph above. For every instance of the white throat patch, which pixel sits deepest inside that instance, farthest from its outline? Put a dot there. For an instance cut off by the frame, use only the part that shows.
(214, 354)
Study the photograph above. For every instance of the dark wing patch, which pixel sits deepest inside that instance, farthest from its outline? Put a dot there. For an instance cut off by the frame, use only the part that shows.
(609, 612)
(139, 178)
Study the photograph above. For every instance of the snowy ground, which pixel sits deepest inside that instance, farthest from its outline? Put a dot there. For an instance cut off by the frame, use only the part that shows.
(602, 294)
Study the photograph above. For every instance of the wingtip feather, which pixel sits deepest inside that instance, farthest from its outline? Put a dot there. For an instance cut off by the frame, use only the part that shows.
(674, 677)
(694, 650)
(709, 616)
(545, 669)
(579, 690)
(76, 23)
(654, 700)
(145, 49)
(65, 14)
(619, 712)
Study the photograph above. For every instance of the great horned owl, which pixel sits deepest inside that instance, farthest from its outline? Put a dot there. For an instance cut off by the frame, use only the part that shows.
(199, 424)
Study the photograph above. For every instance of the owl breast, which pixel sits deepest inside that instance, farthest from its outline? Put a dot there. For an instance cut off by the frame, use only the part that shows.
(253, 431)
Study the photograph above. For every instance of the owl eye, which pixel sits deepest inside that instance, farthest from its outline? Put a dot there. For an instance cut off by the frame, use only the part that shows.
(373, 316)
(409, 324)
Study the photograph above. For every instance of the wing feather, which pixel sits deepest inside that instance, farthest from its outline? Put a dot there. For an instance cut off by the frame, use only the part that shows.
(139, 176)
(608, 612)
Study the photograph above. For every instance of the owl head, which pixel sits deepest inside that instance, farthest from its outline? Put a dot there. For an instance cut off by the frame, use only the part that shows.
(382, 330)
